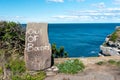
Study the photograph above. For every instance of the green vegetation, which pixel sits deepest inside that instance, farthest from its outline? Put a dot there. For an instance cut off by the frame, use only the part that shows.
(114, 36)
(118, 63)
(16, 66)
(71, 66)
(12, 37)
(16, 77)
(114, 62)
(59, 53)
(12, 44)
(39, 76)
(110, 62)
(1, 70)
(100, 63)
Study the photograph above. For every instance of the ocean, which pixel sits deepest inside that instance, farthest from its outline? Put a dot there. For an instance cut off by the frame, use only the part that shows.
(80, 40)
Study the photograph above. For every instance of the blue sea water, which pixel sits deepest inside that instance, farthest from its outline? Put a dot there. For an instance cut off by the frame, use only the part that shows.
(80, 40)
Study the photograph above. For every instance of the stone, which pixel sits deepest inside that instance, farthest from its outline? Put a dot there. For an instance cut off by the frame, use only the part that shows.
(107, 39)
(111, 43)
(55, 69)
(37, 47)
(117, 27)
(109, 50)
(49, 69)
(101, 55)
(51, 73)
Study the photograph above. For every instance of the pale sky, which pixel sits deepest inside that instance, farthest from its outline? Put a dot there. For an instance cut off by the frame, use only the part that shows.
(60, 11)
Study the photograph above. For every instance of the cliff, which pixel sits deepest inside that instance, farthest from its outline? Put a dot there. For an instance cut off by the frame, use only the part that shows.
(111, 46)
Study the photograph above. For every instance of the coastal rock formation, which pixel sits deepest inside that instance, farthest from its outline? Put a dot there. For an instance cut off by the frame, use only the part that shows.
(111, 46)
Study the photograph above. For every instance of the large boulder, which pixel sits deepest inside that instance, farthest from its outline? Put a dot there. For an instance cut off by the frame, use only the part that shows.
(37, 47)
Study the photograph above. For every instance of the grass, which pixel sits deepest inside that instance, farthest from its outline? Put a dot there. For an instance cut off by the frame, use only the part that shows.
(71, 66)
(1, 70)
(39, 76)
(118, 63)
(113, 37)
(111, 62)
(100, 63)
(16, 66)
(18, 69)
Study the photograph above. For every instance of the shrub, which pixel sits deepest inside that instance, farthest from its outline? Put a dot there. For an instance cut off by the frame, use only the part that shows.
(118, 63)
(12, 37)
(71, 66)
(100, 63)
(16, 66)
(112, 61)
(39, 76)
(1, 70)
(16, 77)
(113, 37)
(58, 53)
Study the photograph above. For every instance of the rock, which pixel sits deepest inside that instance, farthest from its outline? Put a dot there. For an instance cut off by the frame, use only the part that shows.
(52, 71)
(109, 50)
(100, 55)
(118, 39)
(66, 78)
(49, 69)
(117, 27)
(107, 39)
(55, 69)
(37, 47)
(111, 47)
(32, 72)
(111, 43)
(117, 44)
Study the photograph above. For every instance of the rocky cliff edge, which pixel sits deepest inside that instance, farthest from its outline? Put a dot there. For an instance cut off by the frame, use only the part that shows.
(111, 46)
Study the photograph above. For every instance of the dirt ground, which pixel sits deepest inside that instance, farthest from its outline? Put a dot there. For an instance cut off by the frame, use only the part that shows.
(92, 72)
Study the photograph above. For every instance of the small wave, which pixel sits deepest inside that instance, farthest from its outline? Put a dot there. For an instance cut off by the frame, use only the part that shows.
(93, 52)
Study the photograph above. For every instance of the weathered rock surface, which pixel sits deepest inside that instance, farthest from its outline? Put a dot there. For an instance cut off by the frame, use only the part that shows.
(109, 50)
(110, 47)
(52, 71)
(37, 47)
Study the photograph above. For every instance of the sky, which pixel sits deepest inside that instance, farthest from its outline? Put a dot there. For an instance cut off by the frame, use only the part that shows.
(60, 11)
